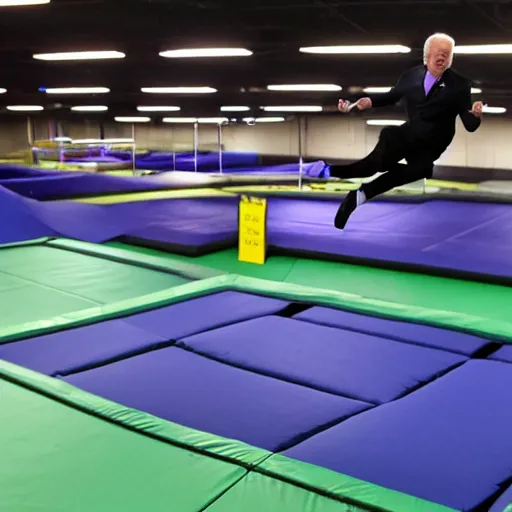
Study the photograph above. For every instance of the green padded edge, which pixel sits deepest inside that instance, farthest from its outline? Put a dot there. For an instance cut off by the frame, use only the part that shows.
(312, 478)
(449, 320)
(26, 243)
(144, 423)
(119, 309)
(159, 263)
(345, 488)
(474, 325)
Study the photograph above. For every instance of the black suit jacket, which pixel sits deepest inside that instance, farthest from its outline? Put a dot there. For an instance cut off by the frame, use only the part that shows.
(432, 117)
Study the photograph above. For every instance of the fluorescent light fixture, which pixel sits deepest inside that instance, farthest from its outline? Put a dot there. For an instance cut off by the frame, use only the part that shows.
(493, 110)
(78, 90)
(25, 108)
(133, 119)
(295, 108)
(475, 90)
(385, 122)
(200, 120)
(180, 120)
(353, 50)
(304, 87)
(158, 109)
(63, 139)
(377, 90)
(178, 90)
(3, 91)
(90, 108)
(15, 3)
(64, 56)
(205, 52)
(234, 109)
(103, 141)
(483, 49)
(263, 119)
(212, 120)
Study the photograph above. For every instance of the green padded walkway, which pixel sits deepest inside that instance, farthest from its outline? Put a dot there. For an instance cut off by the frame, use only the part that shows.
(484, 300)
(40, 281)
(71, 461)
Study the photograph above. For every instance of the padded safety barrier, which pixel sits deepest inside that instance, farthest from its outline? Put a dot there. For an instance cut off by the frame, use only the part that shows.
(471, 324)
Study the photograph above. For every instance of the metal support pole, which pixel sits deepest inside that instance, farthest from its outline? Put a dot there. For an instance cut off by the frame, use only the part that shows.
(134, 152)
(31, 138)
(196, 143)
(219, 138)
(301, 162)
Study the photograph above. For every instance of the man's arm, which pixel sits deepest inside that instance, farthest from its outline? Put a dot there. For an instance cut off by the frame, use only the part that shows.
(383, 99)
(392, 97)
(469, 120)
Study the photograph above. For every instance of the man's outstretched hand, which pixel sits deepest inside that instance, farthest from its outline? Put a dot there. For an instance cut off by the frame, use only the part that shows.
(361, 104)
(477, 109)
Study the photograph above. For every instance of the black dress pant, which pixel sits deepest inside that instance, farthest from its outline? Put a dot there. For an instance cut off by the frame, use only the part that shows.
(394, 145)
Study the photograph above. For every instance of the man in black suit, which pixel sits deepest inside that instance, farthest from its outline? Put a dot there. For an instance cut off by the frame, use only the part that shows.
(434, 95)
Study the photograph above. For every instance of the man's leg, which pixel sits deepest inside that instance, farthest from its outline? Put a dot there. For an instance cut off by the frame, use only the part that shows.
(386, 155)
(389, 149)
(397, 175)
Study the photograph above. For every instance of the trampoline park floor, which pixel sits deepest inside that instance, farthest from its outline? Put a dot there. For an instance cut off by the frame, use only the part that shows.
(192, 389)
(136, 379)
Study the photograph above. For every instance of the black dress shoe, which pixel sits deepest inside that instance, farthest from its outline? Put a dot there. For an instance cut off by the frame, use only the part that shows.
(346, 208)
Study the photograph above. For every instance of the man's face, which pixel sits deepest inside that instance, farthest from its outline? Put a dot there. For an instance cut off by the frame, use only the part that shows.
(438, 59)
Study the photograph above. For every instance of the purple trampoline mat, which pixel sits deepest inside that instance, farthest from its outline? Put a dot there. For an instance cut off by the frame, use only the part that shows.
(206, 395)
(473, 237)
(74, 350)
(186, 222)
(423, 335)
(60, 184)
(463, 236)
(448, 442)
(346, 363)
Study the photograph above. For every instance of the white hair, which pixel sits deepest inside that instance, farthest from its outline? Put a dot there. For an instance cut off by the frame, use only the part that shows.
(436, 37)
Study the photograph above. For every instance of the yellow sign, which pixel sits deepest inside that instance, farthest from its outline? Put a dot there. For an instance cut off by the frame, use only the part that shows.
(252, 230)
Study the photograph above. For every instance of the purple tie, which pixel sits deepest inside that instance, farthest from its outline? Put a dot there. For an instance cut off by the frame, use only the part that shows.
(430, 80)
